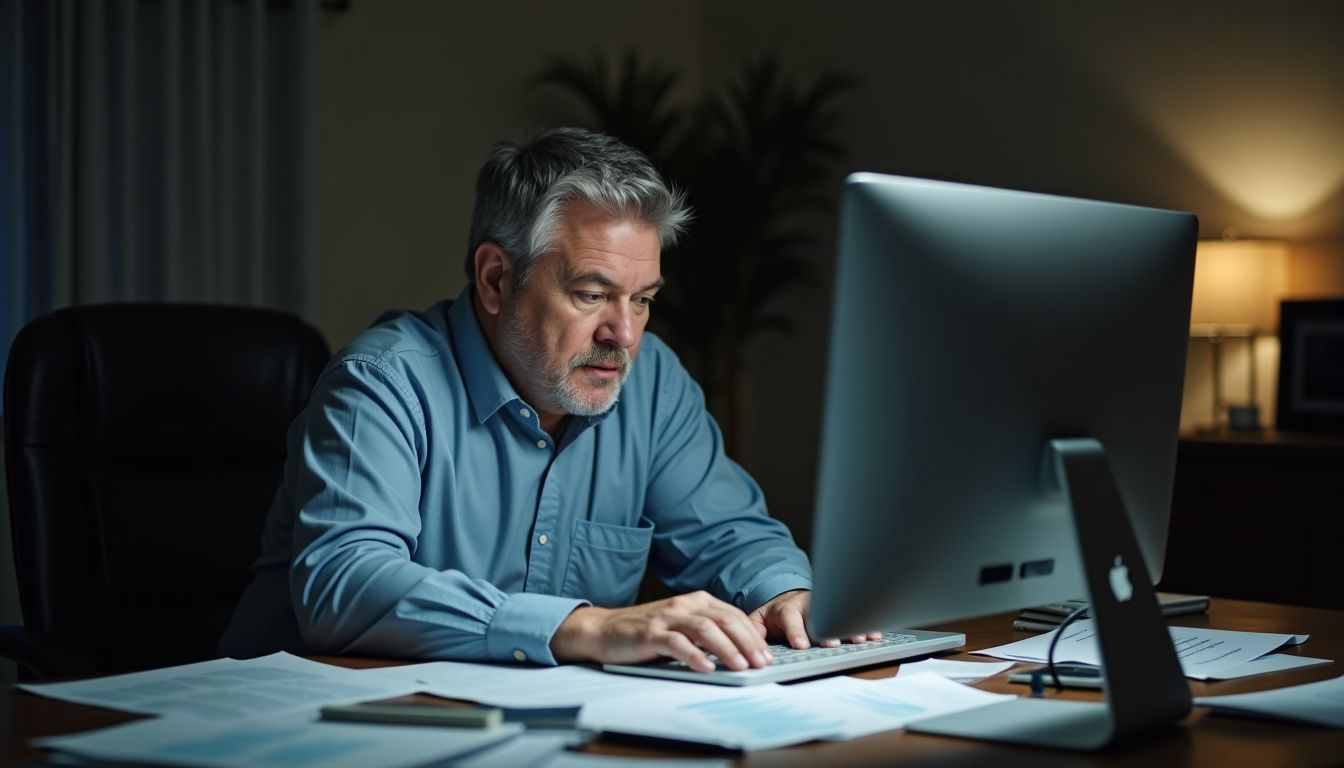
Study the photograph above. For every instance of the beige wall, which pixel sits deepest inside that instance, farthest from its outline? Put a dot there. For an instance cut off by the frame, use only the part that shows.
(1228, 109)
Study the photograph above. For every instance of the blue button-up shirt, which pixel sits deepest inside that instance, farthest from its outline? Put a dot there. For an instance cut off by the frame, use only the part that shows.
(424, 513)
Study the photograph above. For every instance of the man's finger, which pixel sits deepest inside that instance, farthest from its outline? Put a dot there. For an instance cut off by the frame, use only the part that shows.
(709, 635)
(680, 647)
(745, 636)
(791, 625)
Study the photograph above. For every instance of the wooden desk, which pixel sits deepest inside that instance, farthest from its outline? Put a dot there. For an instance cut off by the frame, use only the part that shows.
(1202, 740)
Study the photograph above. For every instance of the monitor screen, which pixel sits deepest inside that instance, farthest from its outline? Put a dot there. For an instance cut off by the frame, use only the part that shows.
(971, 326)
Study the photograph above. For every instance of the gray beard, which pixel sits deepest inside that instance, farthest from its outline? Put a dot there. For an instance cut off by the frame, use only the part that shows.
(549, 379)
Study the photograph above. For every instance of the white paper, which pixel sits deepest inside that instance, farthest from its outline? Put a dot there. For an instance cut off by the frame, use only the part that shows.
(960, 671)
(1321, 703)
(512, 685)
(535, 748)
(752, 717)
(1203, 653)
(873, 706)
(768, 716)
(580, 760)
(1274, 662)
(283, 742)
(228, 689)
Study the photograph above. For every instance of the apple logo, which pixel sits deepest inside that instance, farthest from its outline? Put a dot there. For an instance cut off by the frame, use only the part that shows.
(1120, 586)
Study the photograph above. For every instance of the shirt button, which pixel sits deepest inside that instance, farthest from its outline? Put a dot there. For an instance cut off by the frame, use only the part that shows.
(542, 539)
(541, 443)
(519, 655)
(525, 413)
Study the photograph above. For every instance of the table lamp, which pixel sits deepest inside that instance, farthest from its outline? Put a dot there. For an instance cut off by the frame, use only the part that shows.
(1238, 285)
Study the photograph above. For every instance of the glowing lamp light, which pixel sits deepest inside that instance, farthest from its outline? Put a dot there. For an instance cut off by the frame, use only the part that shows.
(1238, 287)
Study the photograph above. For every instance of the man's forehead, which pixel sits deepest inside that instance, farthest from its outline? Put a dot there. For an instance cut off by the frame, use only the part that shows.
(607, 281)
(613, 269)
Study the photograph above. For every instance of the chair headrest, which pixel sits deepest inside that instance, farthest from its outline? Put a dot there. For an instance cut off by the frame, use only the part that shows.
(146, 378)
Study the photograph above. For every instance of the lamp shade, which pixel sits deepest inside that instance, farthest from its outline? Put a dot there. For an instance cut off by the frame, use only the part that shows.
(1239, 282)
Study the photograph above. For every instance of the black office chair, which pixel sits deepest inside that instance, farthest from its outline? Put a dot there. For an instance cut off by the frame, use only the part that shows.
(143, 446)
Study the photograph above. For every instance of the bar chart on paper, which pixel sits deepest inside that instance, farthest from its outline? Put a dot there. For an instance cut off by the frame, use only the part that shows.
(885, 706)
(773, 715)
(764, 719)
(767, 716)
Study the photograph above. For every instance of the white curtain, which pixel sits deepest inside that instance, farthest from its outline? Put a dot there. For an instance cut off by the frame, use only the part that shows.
(156, 150)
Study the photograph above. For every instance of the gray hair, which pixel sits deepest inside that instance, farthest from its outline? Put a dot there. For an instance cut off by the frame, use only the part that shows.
(523, 188)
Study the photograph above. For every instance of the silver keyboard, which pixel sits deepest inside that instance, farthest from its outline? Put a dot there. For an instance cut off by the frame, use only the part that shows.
(786, 655)
(792, 664)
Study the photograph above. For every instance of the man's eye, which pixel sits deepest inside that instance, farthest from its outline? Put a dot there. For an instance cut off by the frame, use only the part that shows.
(587, 297)
(644, 301)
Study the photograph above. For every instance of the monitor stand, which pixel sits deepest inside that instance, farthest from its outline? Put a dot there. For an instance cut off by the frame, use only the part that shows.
(1145, 688)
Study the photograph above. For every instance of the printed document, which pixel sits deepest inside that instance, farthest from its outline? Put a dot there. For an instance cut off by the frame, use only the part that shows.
(579, 760)
(1321, 703)
(514, 685)
(771, 715)
(276, 742)
(1204, 653)
(530, 748)
(1274, 662)
(961, 671)
(229, 689)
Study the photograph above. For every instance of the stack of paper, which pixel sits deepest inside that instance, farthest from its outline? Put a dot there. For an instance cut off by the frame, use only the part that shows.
(1321, 703)
(282, 742)
(768, 716)
(228, 689)
(961, 671)
(261, 712)
(514, 685)
(1205, 654)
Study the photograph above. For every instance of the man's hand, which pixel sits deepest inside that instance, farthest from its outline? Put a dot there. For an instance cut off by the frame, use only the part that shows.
(685, 627)
(784, 616)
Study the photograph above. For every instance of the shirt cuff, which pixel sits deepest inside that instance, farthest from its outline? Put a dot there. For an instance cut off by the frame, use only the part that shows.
(763, 591)
(523, 625)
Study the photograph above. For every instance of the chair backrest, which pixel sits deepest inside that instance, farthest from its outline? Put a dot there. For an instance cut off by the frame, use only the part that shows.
(144, 444)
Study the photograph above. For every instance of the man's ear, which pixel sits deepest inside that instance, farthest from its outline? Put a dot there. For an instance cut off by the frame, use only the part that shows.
(494, 276)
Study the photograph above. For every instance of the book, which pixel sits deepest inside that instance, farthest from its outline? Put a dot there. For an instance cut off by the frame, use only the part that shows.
(1043, 618)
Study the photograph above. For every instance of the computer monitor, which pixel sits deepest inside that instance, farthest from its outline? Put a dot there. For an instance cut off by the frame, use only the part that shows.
(1002, 404)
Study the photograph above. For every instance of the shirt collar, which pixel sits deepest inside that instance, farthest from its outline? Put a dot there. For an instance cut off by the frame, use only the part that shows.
(487, 386)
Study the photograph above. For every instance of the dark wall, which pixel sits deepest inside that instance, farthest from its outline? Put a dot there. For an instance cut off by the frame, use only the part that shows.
(1227, 109)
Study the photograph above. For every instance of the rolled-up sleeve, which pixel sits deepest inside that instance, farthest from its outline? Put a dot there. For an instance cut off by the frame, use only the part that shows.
(354, 475)
(711, 525)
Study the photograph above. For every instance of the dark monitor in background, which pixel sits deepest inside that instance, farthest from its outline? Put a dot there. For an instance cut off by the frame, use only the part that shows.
(1002, 406)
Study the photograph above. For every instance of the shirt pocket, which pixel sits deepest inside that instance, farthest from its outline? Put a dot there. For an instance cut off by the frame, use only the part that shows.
(606, 562)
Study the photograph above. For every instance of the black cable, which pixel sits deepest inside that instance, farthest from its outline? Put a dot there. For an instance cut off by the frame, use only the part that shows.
(1050, 657)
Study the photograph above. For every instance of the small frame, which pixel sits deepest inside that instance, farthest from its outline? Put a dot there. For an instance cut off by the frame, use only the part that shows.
(1311, 366)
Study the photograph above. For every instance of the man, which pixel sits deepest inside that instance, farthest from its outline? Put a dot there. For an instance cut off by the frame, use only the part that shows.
(486, 480)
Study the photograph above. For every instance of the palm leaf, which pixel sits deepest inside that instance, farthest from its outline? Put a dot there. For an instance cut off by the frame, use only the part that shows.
(751, 155)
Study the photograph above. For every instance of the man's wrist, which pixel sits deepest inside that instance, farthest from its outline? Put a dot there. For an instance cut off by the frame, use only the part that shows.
(771, 587)
(523, 625)
(574, 639)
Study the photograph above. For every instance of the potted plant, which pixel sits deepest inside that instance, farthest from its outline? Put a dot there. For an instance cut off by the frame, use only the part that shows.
(752, 156)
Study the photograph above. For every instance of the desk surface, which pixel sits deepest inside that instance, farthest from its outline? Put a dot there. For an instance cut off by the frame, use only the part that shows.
(1203, 739)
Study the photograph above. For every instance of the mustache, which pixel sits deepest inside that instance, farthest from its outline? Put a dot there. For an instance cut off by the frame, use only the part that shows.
(614, 356)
